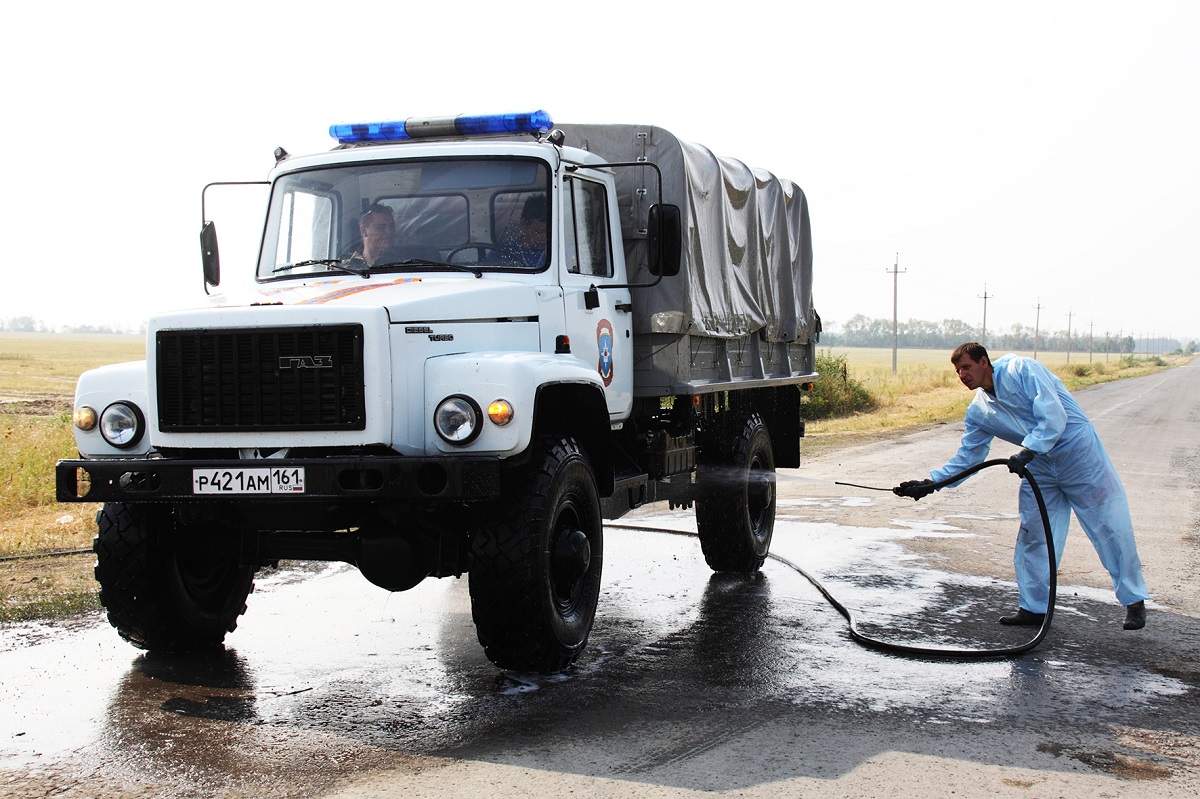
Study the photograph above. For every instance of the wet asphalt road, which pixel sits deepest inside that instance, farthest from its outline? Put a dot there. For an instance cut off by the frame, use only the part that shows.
(692, 682)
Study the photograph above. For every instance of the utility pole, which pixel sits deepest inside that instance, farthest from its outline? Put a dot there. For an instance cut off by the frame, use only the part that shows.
(983, 332)
(895, 306)
(1037, 324)
(1091, 333)
(1070, 313)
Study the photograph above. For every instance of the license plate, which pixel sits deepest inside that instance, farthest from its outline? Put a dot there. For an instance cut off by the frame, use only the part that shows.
(248, 481)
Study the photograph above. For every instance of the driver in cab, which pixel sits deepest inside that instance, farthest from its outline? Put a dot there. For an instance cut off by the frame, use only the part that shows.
(377, 226)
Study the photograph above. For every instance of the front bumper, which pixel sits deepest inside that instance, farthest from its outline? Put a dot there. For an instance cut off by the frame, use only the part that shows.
(351, 478)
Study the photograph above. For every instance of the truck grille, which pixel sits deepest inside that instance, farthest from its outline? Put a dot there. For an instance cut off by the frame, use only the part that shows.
(286, 378)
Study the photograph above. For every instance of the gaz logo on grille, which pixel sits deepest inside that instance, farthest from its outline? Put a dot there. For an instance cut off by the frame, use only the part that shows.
(305, 361)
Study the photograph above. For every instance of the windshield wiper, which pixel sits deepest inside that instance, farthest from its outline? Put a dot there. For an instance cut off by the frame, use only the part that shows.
(340, 264)
(426, 262)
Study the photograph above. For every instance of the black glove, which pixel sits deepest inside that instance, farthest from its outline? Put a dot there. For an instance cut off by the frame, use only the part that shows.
(914, 488)
(1018, 462)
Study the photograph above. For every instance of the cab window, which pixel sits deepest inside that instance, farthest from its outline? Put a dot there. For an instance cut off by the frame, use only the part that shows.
(585, 228)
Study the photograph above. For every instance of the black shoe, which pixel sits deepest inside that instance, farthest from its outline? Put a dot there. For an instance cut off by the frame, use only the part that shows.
(1024, 618)
(1135, 616)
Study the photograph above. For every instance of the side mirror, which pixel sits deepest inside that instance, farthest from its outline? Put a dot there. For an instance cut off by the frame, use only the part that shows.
(665, 236)
(209, 255)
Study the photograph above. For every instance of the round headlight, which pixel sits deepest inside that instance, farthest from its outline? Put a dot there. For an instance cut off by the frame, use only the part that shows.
(122, 425)
(457, 420)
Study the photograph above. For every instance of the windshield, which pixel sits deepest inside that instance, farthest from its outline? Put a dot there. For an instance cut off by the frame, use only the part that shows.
(406, 215)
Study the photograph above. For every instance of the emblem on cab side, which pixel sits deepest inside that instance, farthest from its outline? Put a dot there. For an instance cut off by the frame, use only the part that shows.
(604, 346)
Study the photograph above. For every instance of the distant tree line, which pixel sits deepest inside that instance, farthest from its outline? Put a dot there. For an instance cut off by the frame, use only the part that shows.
(23, 324)
(861, 331)
(27, 324)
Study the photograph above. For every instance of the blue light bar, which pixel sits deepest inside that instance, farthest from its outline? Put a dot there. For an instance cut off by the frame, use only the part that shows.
(442, 127)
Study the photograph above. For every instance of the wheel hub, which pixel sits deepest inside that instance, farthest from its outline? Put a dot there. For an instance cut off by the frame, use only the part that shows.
(761, 490)
(571, 557)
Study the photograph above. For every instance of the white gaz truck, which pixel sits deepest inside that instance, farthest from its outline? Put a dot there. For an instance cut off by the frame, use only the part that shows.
(567, 322)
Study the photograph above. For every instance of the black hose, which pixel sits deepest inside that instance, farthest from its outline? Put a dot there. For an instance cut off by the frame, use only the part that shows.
(939, 651)
(949, 652)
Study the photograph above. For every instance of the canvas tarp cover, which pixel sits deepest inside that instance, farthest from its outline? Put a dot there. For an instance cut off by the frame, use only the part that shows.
(746, 250)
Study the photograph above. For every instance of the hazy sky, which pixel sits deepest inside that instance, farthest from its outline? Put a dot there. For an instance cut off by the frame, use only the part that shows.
(1049, 151)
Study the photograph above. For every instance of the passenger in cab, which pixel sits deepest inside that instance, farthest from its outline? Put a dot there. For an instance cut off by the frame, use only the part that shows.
(524, 242)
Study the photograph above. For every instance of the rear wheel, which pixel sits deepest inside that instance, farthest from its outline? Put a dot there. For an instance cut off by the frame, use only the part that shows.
(168, 587)
(535, 571)
(735, 500)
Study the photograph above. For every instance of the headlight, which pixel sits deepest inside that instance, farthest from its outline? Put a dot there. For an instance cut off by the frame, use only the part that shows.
(122, 425)
(457, 420)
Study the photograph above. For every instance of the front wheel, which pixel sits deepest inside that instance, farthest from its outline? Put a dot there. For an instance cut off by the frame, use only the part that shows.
(167, 586)
(735, 500)
(535, 570)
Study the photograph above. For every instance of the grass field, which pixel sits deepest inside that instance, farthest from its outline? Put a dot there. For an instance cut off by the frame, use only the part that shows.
(37, 383)
(41, 363)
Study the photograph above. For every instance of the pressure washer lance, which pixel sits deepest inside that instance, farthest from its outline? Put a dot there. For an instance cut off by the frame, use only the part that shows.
(949, 652)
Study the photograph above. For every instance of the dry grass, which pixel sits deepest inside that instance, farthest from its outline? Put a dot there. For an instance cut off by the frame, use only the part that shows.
(31, 520)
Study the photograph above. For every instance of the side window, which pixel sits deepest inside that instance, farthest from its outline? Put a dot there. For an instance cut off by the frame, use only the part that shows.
(586, 228)
(305, 228)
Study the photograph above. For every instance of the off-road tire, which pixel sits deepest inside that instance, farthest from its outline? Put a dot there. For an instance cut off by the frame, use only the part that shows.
(735, 500)
(167, 587)
(535, 570)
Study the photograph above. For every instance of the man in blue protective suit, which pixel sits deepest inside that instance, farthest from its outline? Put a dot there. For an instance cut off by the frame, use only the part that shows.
(1020, 401)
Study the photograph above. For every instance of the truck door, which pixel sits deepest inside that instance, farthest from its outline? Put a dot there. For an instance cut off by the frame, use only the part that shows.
(591, 252)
